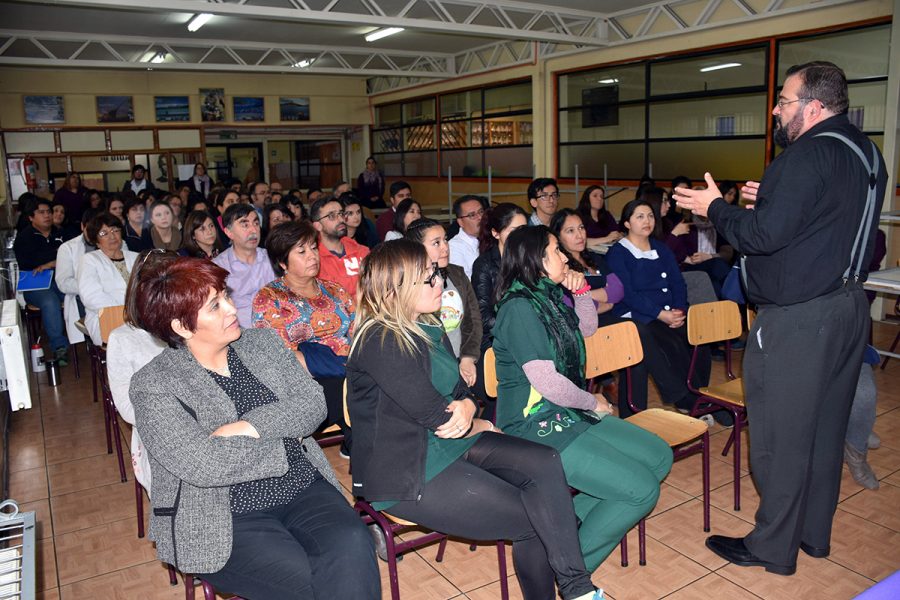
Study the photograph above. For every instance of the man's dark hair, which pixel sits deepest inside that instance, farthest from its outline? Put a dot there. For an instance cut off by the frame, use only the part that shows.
(348, 198)
(32, 205)
(538, 185)
(457, 204)
(399, 186)
(823, 81)
(136, 167)
(315, 210)
(90, 213)
(254, 185)
(235, 212)
(313, 191)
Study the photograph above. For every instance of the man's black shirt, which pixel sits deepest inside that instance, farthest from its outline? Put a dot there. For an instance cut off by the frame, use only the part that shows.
(33, 249)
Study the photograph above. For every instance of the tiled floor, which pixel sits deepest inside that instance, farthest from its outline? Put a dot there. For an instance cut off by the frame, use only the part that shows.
(88, 547)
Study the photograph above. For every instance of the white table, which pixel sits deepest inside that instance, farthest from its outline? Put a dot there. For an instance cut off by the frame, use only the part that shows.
(887, 281)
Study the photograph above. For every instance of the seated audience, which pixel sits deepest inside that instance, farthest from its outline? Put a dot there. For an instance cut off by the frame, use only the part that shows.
(730, 192)
(247, 264)
(314, 194)
(399, 191)
(115, 205)
(273, 215)
(177, 202)
(543, 195)
(35, 248)
(340, 188)
(599, 224)
(68, 265)
(606, 289)
(72, 195)
(313, 317)
(420, 453)
(673, 236)
(103, 274)
(201, 236)
(359, 228)
(241, 495)
(469, 211)
(405, 213)
(459, 313)
(674, 216)
(340, 256)
(137, 231)
(61, 221)
(294, 203)
(130, 348)
(164, 230)
(139, 182)
(539, 345)
(656, 301)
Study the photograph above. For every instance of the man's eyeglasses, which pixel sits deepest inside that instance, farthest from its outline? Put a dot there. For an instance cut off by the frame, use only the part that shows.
(111, 230)
(338, 214)
(548, 197)
(474, 215)
(782, 103)
(435, 275)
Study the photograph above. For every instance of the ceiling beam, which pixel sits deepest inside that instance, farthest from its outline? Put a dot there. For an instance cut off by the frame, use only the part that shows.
(554, 21)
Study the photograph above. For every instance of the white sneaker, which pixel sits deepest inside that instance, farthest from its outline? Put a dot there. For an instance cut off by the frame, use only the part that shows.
(708, 419)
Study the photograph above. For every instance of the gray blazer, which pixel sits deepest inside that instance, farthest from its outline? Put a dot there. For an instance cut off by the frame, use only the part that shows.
(177, 405)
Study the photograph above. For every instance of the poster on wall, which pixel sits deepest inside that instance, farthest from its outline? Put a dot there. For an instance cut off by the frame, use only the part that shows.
(171, 109)
(212, 104)
(40, 110)
(115, 109)
(294, 109)
(248, 109)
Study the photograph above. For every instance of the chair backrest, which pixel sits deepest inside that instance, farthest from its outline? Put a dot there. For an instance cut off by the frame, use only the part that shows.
(110, 318)
(346, 412)
(489, 364)
(612, 348)
(751, 316)
(713, 322)
(699, 287)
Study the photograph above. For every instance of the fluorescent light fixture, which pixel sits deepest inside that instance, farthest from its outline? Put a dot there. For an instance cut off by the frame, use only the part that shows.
(382, 33)
(719, 67)
(198, 21)
(609, 80)
(159, 57)
(303, 63)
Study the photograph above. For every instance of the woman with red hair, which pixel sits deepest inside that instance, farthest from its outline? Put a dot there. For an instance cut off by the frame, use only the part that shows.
(242, 495)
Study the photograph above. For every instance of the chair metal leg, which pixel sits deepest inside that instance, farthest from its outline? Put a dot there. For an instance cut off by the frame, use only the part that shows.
(74, 356)
(139, 505)
(173, 575)
(705, 456)
(893, 348)
(623, 546)
(501, 559)
(738, 418)
(441, 547)
(208, 592)
(117, 434)
(642, 542)
(107, 427)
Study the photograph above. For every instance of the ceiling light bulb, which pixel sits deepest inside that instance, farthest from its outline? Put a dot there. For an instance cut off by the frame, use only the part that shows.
(198, 21)
(303, 63)
(159, 57)
(382, 33)
(718, 67)
(609, 80)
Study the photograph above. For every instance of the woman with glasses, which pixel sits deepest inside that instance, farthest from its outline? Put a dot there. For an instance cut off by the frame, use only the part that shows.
(407, 211)
(419, 452)
(459, 312)
(539, 345)
(103, 275)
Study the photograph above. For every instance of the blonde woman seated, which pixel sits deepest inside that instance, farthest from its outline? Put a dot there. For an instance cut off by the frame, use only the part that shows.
(419, 452)
(313, 317)
(103, 274)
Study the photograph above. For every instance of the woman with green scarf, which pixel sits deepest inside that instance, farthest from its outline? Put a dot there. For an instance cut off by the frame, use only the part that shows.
(539, 346)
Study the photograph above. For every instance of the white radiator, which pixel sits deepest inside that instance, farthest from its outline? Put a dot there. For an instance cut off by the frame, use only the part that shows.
(13, 366)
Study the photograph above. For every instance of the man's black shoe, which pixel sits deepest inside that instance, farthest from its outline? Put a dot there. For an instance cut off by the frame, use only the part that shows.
(733, 550)
(814, 551)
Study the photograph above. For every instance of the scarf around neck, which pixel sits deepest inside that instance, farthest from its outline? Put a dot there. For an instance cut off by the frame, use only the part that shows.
(560, 323)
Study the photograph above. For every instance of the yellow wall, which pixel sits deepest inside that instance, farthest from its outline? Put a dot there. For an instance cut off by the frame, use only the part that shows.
(333, 100)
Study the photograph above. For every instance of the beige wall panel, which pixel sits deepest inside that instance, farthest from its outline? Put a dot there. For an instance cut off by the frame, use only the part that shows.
(131, 140)
(18, 142)
(82, 141)
(179, 138)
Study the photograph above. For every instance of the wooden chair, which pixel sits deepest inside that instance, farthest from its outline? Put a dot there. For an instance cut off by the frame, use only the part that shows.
(709, 323)
(617, 347)
(392, 526)
(489, 364)
(110, 318)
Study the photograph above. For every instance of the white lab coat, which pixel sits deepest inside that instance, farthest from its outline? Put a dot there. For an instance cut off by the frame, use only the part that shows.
(100, 285)
(68, 262)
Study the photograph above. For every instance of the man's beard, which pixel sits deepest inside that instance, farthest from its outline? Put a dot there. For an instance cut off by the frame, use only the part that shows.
(786, 135)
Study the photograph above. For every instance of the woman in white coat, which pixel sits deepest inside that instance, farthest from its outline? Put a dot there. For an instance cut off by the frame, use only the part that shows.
(104, 274)
(68, 262)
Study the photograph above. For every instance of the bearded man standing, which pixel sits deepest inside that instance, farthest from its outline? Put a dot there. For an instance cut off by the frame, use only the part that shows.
(807, 245)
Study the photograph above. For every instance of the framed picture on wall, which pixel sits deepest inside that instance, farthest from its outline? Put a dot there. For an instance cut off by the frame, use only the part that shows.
(294, 109)
(171, 109)
(42, 110)
(212, 104)
(248, 108)
(115, 109)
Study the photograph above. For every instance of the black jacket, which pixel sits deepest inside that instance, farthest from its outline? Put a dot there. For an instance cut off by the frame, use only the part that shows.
(392, 405)
(33, 249)
(471, 324)
(810, 201)
(484, 275)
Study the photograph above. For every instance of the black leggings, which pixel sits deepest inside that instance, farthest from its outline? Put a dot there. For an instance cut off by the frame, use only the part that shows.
(507, 488)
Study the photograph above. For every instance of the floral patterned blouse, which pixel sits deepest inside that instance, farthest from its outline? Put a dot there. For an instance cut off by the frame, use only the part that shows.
(326, 319)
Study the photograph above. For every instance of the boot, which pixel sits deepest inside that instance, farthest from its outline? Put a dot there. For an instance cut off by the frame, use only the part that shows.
(860, 470)
(874, 441)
